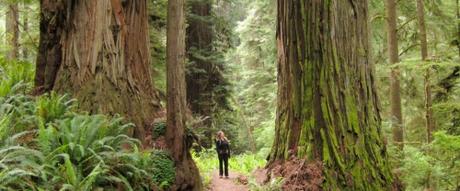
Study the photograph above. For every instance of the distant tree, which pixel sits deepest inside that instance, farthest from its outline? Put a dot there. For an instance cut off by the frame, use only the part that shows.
(328, 110)
(395, 89)
(25, 29)
(12, 29)
(430, 125)
(207, 88)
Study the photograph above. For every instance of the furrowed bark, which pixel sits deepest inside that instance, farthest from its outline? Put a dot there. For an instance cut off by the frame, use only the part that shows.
(328, 109)
(52, 25)
(98, 52)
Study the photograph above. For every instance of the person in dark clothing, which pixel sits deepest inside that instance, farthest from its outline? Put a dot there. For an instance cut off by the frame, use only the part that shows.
(223, 151)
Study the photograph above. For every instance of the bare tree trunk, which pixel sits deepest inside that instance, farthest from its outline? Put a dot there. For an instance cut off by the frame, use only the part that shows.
(458, 26)
(12, 30)
(98, 52)
(395, 89)
(25, 28)
(430, 125)
(187, 175)
(328, 110)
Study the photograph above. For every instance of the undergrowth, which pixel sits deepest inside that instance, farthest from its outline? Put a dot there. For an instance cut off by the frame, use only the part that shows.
(208, 163)
(47, 144)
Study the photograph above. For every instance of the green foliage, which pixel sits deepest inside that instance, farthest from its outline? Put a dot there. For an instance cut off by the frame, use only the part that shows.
(159, 129)
(208, 162)
(274, 185)
(45, 144)
(14, 77)
(157, 33)
(434, 165)
(163, 169)
(253, 63)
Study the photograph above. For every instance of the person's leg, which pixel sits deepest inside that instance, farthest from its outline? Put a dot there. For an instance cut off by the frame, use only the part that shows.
(221, 170)
(226, 165)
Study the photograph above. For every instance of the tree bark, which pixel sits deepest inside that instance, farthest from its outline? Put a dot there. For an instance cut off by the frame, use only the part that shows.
(187, 175)
(52, 26)
(98, 52)
(429, 121)
(328, 109)
(395, 89)
(12, 30)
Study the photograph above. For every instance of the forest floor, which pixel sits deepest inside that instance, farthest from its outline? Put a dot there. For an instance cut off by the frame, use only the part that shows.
(223, 184)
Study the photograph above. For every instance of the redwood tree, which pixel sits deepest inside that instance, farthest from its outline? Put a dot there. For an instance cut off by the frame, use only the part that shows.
(98, 52)
(187, 175)
(328, 109)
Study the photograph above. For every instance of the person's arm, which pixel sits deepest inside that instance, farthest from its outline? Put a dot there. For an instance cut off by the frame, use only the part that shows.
(228, 149)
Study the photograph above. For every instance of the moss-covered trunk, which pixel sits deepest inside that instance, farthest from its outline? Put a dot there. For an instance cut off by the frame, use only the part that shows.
(187, 175)
(98, 52)
(328, 109)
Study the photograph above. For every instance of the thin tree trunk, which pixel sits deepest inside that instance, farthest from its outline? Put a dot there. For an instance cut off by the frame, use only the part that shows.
(12, 30)
(98, 52)
(328, 110)
(458, 26)
(249, 128)
(187, 175)
(395, 89)
(25, 28)
(430, 125)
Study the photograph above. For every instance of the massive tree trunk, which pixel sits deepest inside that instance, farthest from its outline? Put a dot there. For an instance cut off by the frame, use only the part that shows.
(395, 89)
(98, 52)
(12, 30)
(187, 175)
(429, 121)
(328, 109)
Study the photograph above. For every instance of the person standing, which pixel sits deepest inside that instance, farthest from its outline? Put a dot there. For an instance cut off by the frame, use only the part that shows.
(223, 151)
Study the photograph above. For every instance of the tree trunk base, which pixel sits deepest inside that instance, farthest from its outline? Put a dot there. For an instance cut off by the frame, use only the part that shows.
(187, 176)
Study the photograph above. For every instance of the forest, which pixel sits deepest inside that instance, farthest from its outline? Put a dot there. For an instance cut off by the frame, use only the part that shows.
(308, 95)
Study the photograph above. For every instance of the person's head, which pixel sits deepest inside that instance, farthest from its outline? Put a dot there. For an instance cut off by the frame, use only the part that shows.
(221, 135)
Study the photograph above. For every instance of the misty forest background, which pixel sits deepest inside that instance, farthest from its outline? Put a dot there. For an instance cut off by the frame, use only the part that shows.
(231, 85)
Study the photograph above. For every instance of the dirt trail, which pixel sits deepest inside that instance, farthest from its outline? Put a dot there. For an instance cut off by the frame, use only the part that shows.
(231, 184)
